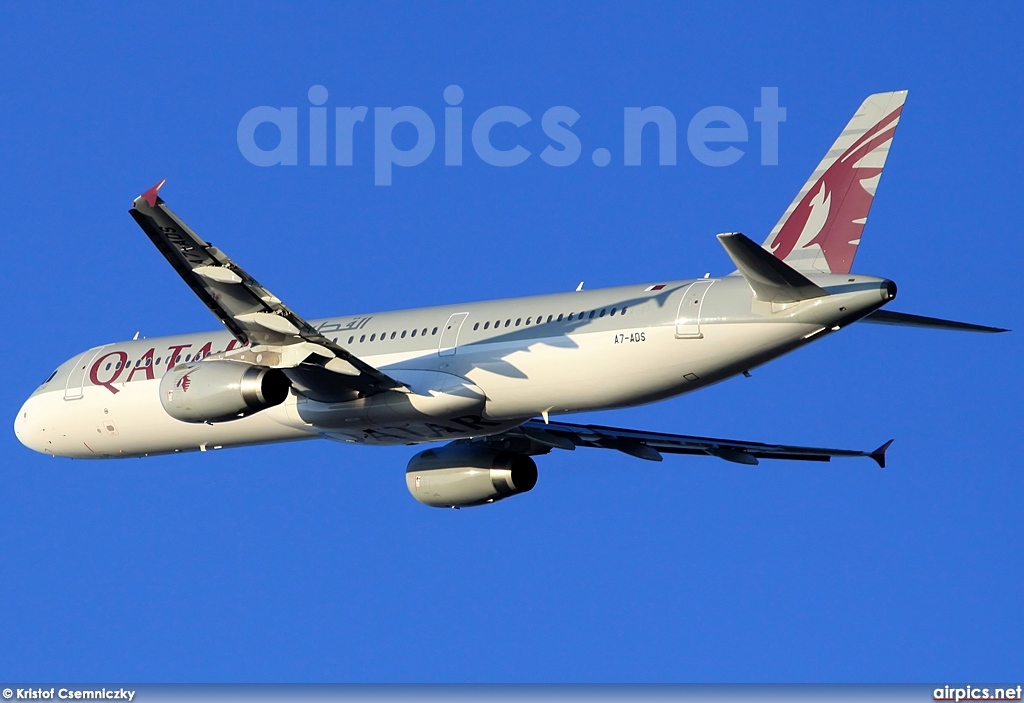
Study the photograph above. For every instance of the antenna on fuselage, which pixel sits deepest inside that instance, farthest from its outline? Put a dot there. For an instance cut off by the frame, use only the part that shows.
(579, 287)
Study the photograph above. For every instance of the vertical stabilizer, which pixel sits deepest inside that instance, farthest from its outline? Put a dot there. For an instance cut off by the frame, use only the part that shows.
(821, 228)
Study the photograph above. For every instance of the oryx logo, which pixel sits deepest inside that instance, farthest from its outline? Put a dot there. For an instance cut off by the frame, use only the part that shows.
(184, 382)
(833, 211)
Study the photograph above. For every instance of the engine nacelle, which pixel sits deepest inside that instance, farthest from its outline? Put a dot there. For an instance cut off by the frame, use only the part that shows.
(221, 390)
(459, 476)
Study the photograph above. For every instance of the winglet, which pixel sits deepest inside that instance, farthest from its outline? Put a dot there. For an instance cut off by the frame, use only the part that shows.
(150, 195)
(770, 278)
(879, 454)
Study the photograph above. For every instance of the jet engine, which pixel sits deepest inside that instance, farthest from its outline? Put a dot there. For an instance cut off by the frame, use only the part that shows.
(220, 390)
(457, 476)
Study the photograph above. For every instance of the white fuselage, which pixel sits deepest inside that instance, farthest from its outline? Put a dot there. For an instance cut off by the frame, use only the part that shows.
(471, 370)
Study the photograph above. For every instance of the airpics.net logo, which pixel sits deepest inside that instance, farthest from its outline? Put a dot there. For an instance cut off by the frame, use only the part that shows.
(715, 136)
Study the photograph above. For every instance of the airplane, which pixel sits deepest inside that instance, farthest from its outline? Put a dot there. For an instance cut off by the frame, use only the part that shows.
(485, 377)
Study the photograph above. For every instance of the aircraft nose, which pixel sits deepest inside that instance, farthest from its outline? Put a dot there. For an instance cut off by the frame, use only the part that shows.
(28, 428)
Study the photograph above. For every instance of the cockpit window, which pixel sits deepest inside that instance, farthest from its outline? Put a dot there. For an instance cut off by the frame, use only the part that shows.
(50, 377)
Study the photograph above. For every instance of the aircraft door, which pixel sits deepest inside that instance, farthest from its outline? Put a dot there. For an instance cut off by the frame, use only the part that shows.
(450, 334)
(688, 316)
(76, 378)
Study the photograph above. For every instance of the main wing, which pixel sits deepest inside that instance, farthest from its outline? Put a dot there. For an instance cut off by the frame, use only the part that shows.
(318, 367)
(538, 437)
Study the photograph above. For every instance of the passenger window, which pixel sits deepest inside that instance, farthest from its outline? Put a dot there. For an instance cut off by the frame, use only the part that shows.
(414, 333)
(476, 326)
(528, 320)
(602, 312)
(623, 311)
(362, 338)
(394, 334)
(508, 323)
(403, 334)
(570, 317)
(612, 313)
(435, 331)
(188, 357)
(559, 317)
(487, 325)
(149, 360)
(518, 321)
(157, 362)
(335, 340)
(424, 332)
(351, 338)
(108, 367)
(177, 359)
(592, 314)
(373, 337)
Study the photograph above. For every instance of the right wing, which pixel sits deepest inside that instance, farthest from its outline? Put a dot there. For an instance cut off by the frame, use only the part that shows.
(538, 437)
(318, 367)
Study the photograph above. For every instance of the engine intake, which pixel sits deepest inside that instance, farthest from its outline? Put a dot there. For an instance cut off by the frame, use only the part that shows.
(459, 476)
(220, 390)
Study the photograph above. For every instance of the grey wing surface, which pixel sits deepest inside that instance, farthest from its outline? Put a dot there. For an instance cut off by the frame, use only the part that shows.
(322, 369)
(537, 437)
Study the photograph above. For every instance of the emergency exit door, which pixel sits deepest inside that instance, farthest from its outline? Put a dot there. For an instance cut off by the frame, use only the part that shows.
(688, 316)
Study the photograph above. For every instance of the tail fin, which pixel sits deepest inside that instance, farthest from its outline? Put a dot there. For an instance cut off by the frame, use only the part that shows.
(821, 228)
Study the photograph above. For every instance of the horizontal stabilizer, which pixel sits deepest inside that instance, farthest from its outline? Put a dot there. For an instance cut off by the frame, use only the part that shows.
(771, 279)
(888, 317)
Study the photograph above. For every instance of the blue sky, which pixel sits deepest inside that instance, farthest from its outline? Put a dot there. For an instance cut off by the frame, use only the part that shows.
(309, 561)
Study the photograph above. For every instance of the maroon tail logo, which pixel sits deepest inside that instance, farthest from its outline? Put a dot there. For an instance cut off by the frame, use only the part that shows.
(839, 201)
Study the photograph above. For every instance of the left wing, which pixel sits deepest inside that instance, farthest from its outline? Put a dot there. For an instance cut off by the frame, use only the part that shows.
(317, 366)
(537, 437)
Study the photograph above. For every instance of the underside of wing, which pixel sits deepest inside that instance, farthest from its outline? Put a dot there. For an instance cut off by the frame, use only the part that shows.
(317, 366)
(538, 437)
